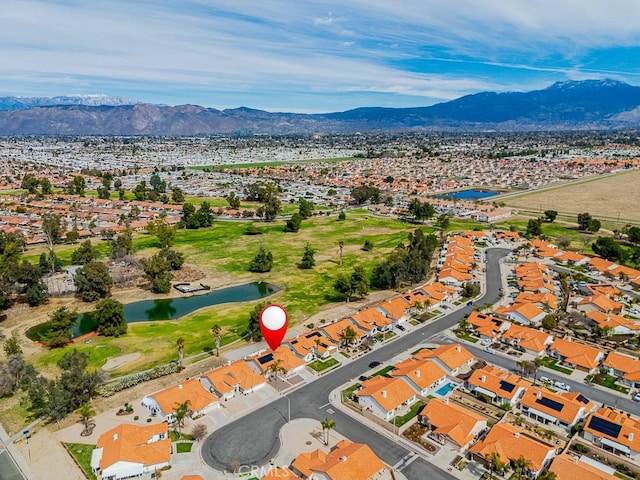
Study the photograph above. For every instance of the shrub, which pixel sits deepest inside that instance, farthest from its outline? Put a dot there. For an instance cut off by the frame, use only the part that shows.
(136, 417)
(129, 381)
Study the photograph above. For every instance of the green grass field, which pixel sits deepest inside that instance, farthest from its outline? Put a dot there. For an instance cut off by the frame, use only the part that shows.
(225, 251)
(82, 454)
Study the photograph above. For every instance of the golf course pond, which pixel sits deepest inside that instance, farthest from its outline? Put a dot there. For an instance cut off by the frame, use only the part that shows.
(168, 308)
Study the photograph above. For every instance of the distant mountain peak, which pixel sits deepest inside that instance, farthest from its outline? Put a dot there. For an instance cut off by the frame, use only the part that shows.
(604, 83)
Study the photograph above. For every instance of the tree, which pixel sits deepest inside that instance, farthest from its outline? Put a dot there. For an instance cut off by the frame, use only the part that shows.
(205, 215)
(84, 254)
(354, 285)
(157, 270)
(93, 281)
(327, 426)
(180, 346)
(563, 242)
(254, 331)
(233, 200)
(122, 245)
(199, 432)
(173, 258)
(86, 413)
(157, 184)
(534, 227)
(520, 465)
(72, 235)
(252, 230)
(30, 183)
(52, 227)
(141, 192)
(189, 217)
(348, 336)
(584, 219)
(594, 225)
(109, 316)
(262, 262)
(549, 322)
(181, 412)
(162, 231)
(341, 247)
(443, 221)
(342, 216)
(103, 193)
(535, 367)
(305, 208)
(37, 293)
(293, 224)
(60, 323)
(550, 215)
(307, 262)
(495, 464)
(365, 193)
(79, 185)
(548, 475)
(470, 289)
(276, 369)
(609, 249)
(420, 210)
(271, 208)
(12, 346)
(367, 246)
(177, 195)
(633, 234)
(216, 331)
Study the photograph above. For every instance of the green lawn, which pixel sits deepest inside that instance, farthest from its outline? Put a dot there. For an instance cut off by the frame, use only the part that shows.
(347, 393)
(607, 381)
(226, 251)
(383, 371)
(320, 366)
(466, 336)
(415, 409)
(552, 363)
(82, 454)
(184, 447)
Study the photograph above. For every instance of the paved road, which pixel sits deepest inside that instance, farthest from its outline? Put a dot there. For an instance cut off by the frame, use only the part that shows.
(254, 439)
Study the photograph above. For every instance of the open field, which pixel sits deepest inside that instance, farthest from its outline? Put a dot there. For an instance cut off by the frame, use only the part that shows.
(609, 198)
(223, 253)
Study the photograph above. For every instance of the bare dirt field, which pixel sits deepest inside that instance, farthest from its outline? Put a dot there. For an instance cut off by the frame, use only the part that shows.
(613, 197)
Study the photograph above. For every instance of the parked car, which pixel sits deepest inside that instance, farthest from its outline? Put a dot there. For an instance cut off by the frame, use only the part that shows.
(636, 397)
(374, 364)
(485, 342)
(546, 380)
(562, 386)
(362, 378)
(401, 328)
(489, 350)
(469, 303)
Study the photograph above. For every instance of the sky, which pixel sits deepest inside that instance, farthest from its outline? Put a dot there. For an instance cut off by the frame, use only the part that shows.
(311, 56)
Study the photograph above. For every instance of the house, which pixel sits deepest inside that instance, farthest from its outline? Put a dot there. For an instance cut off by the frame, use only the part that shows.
(525, 313)
(348, 460)
(131, 450)
(598, 302)
(533, 341)
(487, 326)
(396, 309)
(625, 367)
(564, 409)
(310, 345)
(614, 431)
(286, 361)
(371, 320)
(452, 276)
(534, 277)
(452, 358)
(421, 375)
(335, 331)
(576, 355)
(165, 402)
(569, 467)
(617, 324)
(451, 422)
(606, 289)
(225, 381)
(572, 258)
(510, 443)
(544, 301)
(384, 396)
(500, 386)
(600, 265)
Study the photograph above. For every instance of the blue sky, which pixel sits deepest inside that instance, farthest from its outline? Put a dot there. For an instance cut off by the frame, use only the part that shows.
(311, 56)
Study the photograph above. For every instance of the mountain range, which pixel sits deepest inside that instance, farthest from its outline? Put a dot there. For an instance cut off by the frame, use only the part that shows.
(570, 105)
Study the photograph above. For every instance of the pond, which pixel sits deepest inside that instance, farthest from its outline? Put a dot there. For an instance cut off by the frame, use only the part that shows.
(469, 194)
(168, 308)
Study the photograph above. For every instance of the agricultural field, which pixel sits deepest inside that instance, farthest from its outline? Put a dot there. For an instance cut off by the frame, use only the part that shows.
(223, 253)
(613, 198)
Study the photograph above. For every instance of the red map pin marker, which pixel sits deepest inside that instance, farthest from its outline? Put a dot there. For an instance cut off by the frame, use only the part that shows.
(274, 321)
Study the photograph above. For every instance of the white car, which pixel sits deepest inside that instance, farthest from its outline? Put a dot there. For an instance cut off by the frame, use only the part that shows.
(636, 397)
(562, 386)
(489, 350)
(485, 342)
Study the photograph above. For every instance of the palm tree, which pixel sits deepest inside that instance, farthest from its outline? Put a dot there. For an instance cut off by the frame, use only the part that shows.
(495, 464)
(276, 368)
(348, 336)
(536, 364)
(216, 330)
(521, 464)
(326, 426)
(523, 366)
(86, 414)
(341, 245)
(182, 411)
(180, 345)
(316, 350)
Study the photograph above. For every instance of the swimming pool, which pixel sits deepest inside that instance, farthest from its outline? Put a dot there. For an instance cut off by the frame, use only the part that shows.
(445, 389)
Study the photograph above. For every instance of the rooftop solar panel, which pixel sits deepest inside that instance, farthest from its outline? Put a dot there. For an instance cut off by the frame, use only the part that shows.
(552, 404)
(313, 334)
(605, 426)
(506, 386)
(582, 399)
(265, 358)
